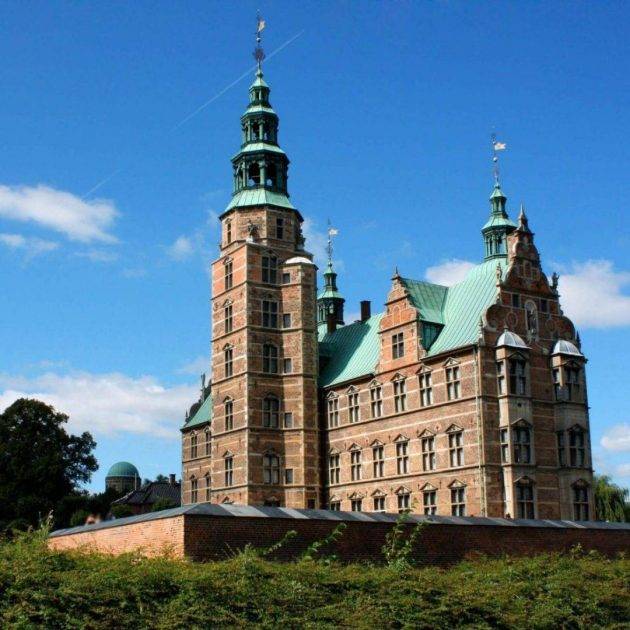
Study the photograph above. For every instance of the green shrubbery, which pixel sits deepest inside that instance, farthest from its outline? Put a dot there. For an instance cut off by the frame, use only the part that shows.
(43, 588)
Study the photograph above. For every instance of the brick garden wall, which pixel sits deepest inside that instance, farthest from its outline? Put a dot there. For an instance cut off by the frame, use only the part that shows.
(206, 537)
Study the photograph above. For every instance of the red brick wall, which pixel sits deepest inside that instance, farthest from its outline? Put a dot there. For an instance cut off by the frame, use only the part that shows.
(202, 537)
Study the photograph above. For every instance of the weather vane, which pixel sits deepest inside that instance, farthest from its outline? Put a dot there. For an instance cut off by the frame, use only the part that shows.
(496, 146)
(329, 247)
(259, 53)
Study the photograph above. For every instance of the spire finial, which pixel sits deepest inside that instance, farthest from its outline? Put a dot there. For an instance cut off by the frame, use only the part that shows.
(523, 223)
(496, 146)
(329, 247)
(259, 53)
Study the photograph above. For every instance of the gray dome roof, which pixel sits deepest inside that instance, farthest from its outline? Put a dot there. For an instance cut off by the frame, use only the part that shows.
(510, 339)
(302, 260)
(566, 347)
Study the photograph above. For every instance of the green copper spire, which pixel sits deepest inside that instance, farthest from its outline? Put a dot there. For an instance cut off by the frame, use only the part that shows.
(498, 226)
(261, 166)
(330, 299)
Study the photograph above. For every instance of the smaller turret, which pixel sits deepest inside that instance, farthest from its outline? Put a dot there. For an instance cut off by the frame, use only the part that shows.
(498, 226)
(329, 300)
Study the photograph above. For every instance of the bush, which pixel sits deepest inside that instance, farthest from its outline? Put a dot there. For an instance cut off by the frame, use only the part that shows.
(78, 518)
(120, 511)
(43, 588)
(163, 504)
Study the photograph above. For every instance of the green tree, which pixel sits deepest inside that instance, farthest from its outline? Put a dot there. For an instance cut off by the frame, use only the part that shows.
(122, 510)
(163, 504)
(611, 500)
(40, 462)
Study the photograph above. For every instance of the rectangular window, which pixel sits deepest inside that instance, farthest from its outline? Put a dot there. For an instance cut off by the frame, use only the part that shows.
(269, 269)
(286, 277)
(378, 462)
(227, 312)
(194, 491)
(458, 501)
(228, 362)
(516, 300)
(561, 453)
(522, 445)
(557, 386)
(500, 378)
(400, 396)
(229, 471)
(288, 419)
(335, 506)
(404, 502)
(453, 387)
(428, 453)
(288, 476)
(279, 228)
(572, 382)
(271, 469)
(398, 346)
(228, 275)
(356, 505)
(286, 320)
(580, 503)
(376, 400)
(426, 389)
(193, 446)
(334, 468)
(379, 504)
(208, 442)
(228, 232)
(504, 436)
(333, 412)
(229, 415)
(269, 314)
(430, 501)
(287, 366)
(271, 412)
(524, 501)
(456, 448)
(518, 381)
(270, 359)
(355, 465)
(353, 407)
(576, 448)
(402, 458)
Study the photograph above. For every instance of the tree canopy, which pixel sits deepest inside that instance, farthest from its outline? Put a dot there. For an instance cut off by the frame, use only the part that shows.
(611, 500)
(40, 462)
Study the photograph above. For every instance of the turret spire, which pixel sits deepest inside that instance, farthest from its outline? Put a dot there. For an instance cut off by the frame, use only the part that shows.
(330, 299)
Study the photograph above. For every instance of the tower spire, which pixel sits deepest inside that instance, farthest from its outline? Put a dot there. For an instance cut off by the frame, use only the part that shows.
(329, 299)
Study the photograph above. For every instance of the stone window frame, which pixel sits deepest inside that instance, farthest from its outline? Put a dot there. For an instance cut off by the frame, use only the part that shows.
(271, 467)
(458, 498)
(269, 312)
(271, 415)
(429, 454)
(332, 410)
(228, 360)
(398, 345)
(334, 467)
(194, 445)
(376, 399)
(354, 404)
(402, 455)
(194, 489)
(429, 499)
(228, 273)
(208, 441)
(228, 232)
(228, 316)
(524, 506)
(403, 495)
(334, 503)
(518, 383)
(399, 385)
(518, 446)
(455, 446)
(208, 488)
(356, 462)
(356, 501)
(378, 463)
(270, 358)
(425, 386)
(578, 452)
(269, 265)
(453, 379)
(228, 413)
(228, 469)
(580, 500)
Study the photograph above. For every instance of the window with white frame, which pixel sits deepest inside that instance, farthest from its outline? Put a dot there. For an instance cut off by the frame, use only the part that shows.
(228, 232)
(398, 346)
(453, 383)
(376, 401)
(501, 378)
(504, 439)
(228, 276)
(402, 457)
(400, 395)
(229, 470)
(228, 318)
(379, 504)
(429, 501)
(428, 452)
(335, 506)
(271, 469)
(333, 411)
(334, 468)
(378, 460)
(271, 412)
(355, 465)
(458, 501)
(426, 389)
(456, 448)
(269, 314)
(577, 449)
(353, 406)
(228, 361)
(404, 501)
(524, 499)
(356, 505)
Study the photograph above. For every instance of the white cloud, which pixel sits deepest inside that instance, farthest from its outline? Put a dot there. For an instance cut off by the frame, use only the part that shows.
(449, 272)
(592, 294)
(31, 246)
(617, 438)
(315, 241)
(623, 470)
(106, 404)
(99, 255)
(196, 367)
(77, 219)
(181, 249)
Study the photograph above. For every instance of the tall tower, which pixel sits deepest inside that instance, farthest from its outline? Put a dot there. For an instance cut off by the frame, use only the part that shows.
(263, 447)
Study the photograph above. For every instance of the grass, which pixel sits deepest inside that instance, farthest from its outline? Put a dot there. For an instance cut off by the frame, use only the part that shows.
(44, 588)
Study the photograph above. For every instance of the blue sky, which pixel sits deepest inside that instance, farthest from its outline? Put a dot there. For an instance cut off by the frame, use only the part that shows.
(108, 204)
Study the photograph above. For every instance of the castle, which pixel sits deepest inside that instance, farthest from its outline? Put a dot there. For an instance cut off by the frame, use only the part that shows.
(461, 400)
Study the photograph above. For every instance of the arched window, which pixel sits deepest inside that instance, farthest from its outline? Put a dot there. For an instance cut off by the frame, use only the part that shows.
(228, 410)
(271, 412)
(524, 498)
(271, 468)
(270, 359)
(193, 446)
(228, 361)
(194, 490)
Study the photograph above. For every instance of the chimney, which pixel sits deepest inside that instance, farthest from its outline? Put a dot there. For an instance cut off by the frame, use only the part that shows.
(366, 310)
(171, 479)
(331, 322)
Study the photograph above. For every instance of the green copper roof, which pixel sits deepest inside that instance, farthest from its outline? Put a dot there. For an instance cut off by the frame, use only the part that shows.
(122, 469)
(203, 415)
(427, 298)
(258, 81)
(259, 109)
(350, 352)
(329, 293)
(449, 316)
(498, 221)
(259, 146)
(259, 197)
